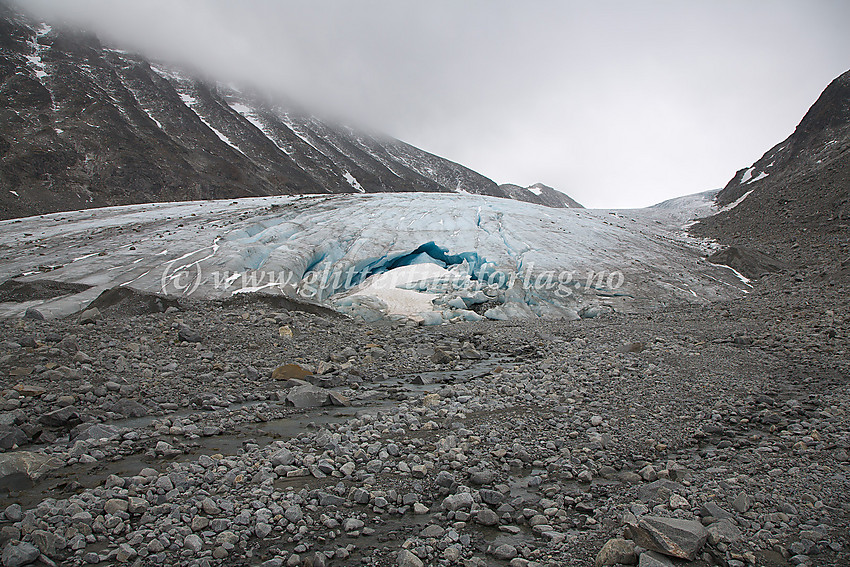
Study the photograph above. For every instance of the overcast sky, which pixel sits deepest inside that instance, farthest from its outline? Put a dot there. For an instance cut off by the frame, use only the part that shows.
(617, 103)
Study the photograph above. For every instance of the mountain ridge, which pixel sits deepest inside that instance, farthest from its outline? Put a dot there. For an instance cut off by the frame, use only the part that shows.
(87, 125)
(794, 202)
(540, 194)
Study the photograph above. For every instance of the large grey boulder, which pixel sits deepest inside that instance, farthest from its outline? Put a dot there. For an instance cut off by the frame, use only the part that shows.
(307, 396)
(616, 551)
(61, 417)
(97, 431)
(660, 490)
(24, 465)
(10, 436)
(670, 536)
(20, 554)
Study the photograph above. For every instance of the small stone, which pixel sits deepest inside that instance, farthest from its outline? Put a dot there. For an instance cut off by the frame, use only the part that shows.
(283, 457)
(90, 316)
(458, 501)
(505, 552)
(114, 505)
(486, 517)
(677, 501)
(262, 530)
(742, 503)
(724, 531)
(33, 313)
(193, 542)
(481, 477)
(406, 558)
(442, 357)
(293, 513)
(14, 513)
(616, 550)
(189, 335)
(20, 554)
(290, 372)
(432, 530)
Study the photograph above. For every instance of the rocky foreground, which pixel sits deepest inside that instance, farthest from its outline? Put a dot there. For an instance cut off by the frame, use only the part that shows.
(248, 434)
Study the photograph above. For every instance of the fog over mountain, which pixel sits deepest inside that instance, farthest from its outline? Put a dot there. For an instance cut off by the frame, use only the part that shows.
(587, 98)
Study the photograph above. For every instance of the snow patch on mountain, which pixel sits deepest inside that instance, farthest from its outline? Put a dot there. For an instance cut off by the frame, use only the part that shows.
(353, 182)
(35, 60)
(737, 202)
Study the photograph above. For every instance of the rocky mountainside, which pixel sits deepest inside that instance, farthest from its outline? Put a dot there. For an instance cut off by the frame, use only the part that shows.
(794, 203)
(541, 195)
(84, 125)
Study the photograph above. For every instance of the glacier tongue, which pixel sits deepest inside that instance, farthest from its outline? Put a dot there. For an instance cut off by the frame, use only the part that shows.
(429, 257)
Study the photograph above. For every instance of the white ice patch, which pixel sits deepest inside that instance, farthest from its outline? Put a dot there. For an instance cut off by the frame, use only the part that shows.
(188, 99)
(536, 190)
(747, 175)
(760, 176)
(15, 193)
(35, 60)
(298, 131)
(738, 274)
(353, 182)
(192, 102)
(221, 136)
(250, 115)
(740, 200)
(155, 121)
(389, 288)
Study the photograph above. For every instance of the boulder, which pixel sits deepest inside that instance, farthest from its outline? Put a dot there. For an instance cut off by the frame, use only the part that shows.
(89, 316)
(10, 436)
(189, 335)
(616, 551)
(20, 554)
(96, 431)
(406, 558)
(307, 396)
(290, 372)
(25, 465)
(61, 417)
(128, 408)
(670, 536)
(724, 531)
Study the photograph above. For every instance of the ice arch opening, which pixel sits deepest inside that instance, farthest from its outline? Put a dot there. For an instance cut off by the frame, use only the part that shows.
(429, 253)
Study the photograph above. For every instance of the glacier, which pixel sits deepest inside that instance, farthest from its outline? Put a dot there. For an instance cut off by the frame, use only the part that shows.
(426, 257)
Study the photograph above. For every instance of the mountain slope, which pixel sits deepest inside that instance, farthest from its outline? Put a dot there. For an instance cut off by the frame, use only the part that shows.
(794, 202)
(84, 125)
(541, 195)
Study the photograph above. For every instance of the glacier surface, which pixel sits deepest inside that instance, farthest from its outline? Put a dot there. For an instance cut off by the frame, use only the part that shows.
(428, 257)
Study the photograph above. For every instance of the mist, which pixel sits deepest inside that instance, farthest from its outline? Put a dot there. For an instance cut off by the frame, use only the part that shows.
(616, 104)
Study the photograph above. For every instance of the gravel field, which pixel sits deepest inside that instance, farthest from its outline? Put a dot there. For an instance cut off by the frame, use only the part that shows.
(248, 434)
